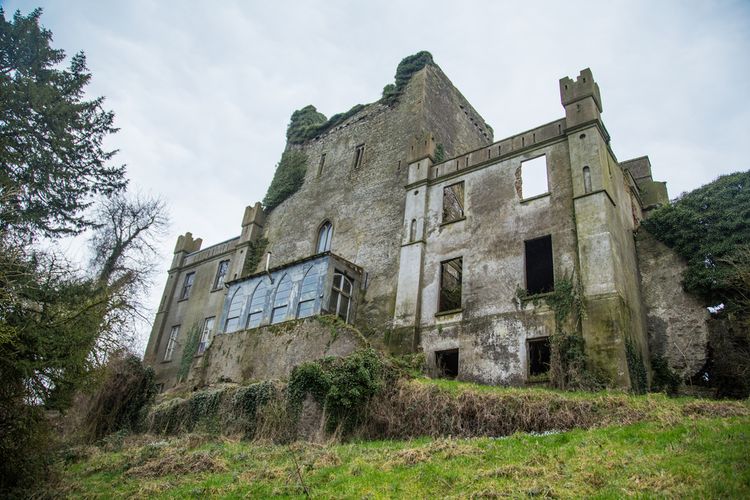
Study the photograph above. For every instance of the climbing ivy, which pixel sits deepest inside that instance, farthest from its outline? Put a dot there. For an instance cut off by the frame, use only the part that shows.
(307, 123)
(439, 153)
(343, 386)
(255, 251)
(288, 178)
(636, 368)
(189, 348)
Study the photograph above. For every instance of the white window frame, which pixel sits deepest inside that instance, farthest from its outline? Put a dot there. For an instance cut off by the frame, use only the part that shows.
(173, 333)
(208, 325)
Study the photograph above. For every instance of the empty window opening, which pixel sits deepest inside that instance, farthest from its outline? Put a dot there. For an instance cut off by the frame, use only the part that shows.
(586, 180)
(325, 234)
(447, 363)
(450, 284)
(341, 296)
(171, 343)
(208, 326)
(523, 141)
(453, 202)
(257, 304)
(221, 273)
(308, 293)
(322, 164)
(281, 300)
(534, 177)
(539, 356)
(232, 323)
(540, 276)
(413, 230)
(359, 152)
(187, 285)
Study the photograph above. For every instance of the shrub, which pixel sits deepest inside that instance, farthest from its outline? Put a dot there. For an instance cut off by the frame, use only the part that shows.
(288, 178)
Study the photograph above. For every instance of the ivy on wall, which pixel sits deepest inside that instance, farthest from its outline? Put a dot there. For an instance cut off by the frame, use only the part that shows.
(288, 178)
(255, 251)
(189, 348)
(307, 123)
(406, 68)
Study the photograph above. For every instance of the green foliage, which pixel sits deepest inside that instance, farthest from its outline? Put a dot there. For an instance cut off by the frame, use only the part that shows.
(120, 400)
(708, 226)
(189, 348)
(663, 379)
(439, 153)
(52, 162)
(307, 123)
(288, 178)
(406, 68)
(636, 367)
(343, 386)
(255, 251)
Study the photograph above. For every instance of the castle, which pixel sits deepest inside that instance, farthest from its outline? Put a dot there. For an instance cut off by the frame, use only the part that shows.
(418, 229)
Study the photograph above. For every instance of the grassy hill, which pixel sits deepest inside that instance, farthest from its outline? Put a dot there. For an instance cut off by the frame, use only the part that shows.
(659, 446)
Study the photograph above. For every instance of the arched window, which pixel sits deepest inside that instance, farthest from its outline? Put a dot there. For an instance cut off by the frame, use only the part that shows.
(308, 293)
(257, 303)
(341, 296)
(281, 300)
(324, 237)
(413, 230)
(232, 323)
(586, 180)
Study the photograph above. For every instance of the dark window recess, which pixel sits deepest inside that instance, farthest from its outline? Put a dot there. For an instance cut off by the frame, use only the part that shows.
(453, 202)
(540, 277)
(187, 285)
(539, 356)
(358, 154)
(450, 284)
(322, 164)
(447, 363)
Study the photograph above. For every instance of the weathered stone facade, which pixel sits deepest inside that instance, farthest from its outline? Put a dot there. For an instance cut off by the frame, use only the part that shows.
(375, 180)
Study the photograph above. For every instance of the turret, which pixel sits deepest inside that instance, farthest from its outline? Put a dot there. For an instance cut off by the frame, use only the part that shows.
(581, 99)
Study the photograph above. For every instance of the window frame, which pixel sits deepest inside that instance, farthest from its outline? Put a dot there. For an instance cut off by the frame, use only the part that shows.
(338, 292)
(187, 285)
(359, 153)
(326, 226)
(526, 243)
(547, 192)
(208, 326)
(219, 279)
(442, 309)
(462, 202)
(174, 332)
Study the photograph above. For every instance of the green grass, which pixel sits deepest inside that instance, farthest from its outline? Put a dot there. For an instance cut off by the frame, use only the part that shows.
(689, 458)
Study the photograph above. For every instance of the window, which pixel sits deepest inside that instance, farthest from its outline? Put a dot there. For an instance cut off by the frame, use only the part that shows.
(453, 202)
(534, 177)
(341, 296)
(321, 164)
(187, 285)
(450, 285)
(257, 303)
(325, 234)
(447, 363)
(281, 300)
(540, 277)
(539, 356)
(413, 230)
(586, 180)
(208, 326)
(171, 343)
(232, 323)
(221, 273)
(308, 293)
(359, 152)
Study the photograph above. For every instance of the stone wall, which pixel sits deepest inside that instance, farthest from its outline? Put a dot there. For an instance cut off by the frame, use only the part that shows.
(272, 352)
(677, 322)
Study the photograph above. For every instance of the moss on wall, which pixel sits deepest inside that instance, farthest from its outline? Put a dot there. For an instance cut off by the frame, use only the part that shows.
(255, 251)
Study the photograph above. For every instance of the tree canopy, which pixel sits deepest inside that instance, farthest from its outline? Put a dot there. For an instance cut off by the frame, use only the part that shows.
(710, 228)
(52, 159)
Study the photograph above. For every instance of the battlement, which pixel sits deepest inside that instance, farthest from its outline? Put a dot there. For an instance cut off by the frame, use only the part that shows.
(186, 243)
(584, 86)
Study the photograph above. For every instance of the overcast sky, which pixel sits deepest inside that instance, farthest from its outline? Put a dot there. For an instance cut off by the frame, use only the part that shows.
(203, 91)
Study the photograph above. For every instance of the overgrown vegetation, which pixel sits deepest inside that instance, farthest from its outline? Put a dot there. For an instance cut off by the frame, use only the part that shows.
(636, 367)
(307, 123)
(663, 378)
(342, 386)
(119, 401)
(189, 349)
(708, 227)
(287, 179)
(255, 251)
(404, 71)
(439, 153)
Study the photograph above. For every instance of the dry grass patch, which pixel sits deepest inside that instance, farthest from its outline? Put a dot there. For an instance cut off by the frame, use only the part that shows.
(178, 463)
